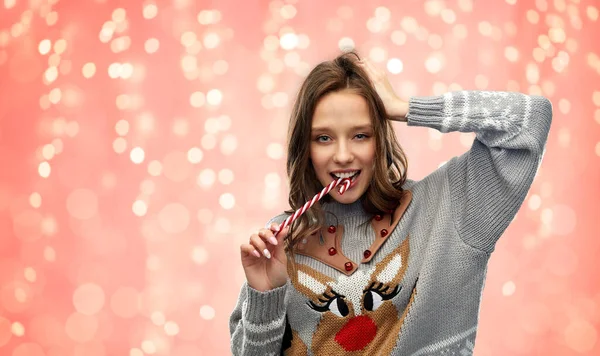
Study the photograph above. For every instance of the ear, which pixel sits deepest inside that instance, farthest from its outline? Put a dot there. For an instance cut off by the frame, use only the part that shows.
(391, 269)
(310, 282)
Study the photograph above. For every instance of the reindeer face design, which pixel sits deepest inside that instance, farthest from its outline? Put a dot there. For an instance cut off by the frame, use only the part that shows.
(358, 314)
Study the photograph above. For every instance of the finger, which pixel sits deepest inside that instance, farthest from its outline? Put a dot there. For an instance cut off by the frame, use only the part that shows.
(260, 245)
(367, 63)
(280, 235)
(248, 249)
(274, 227)
(276, 230)
(267, 235)
(363, 64)
(279, 252)
(372, 69)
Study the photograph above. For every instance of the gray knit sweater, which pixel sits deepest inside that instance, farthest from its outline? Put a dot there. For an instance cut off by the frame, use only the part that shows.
(415, 288)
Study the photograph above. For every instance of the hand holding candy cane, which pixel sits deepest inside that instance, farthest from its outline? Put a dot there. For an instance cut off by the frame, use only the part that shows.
(264, 274)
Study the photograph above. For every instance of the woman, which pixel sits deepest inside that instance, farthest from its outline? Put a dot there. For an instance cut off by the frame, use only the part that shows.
(392, 266)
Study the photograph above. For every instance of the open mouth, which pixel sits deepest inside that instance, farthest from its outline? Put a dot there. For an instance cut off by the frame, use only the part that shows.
(352, 175)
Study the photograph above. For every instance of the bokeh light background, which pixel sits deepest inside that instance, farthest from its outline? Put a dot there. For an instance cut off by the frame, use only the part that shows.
(141, 142)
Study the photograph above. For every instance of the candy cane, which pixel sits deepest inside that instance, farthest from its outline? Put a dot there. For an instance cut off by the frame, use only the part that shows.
(345, 184)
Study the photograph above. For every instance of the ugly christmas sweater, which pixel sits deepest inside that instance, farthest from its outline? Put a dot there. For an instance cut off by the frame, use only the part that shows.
(408, 282)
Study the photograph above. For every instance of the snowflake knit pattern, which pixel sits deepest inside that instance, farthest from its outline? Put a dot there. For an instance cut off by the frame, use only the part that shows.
(415, 288)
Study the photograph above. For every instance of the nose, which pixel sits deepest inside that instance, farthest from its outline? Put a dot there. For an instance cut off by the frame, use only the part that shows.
(343, 153)
(357, 333)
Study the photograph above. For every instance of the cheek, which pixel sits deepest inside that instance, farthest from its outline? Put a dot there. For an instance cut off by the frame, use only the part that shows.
(318, 159)
(368, 154)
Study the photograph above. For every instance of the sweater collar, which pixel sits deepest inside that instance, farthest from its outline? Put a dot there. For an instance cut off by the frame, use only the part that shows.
(345, 210)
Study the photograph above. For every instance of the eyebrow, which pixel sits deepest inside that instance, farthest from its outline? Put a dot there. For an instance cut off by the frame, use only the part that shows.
(353, 128)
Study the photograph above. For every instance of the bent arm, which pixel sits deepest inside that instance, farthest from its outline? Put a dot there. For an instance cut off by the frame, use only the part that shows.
(489, 182)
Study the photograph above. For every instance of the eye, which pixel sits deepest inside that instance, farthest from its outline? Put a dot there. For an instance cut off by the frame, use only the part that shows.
(323, 138)
(361, 136)
(338, 307)
(376, 294)
(334, 303)
(372, 300)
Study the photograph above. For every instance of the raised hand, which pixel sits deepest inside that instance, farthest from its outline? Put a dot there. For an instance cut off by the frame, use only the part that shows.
(395, 107)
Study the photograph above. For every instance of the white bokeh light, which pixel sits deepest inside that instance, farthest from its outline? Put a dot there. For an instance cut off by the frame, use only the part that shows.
(377, 54)
(155, 168)
(508, 288)
(195, 155)
(226, 176)
(137, 155)
(171, 328)
(207, 312)
(211, 40)
(214, 97)
(534, 202)
(275, 151)
(122, 127)
(346, 44)
(139, 208)
(44, 169)
(197, 99)
(206, 178)
(288, 41)
(199, 255)
(228, 145)
(272, 180)
(211, 125)
(227, 201)
(395, 65)
(208, 141)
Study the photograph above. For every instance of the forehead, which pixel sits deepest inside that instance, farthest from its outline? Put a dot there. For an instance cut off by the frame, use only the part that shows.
(340, 109)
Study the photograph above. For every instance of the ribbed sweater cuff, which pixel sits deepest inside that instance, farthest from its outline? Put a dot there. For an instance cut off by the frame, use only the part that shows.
(264, 307)
(426, 111)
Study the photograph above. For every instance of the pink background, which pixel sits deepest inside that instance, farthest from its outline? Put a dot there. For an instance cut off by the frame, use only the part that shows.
(142, 142)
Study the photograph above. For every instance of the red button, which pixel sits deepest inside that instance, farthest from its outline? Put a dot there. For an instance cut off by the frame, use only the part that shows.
(332, 251)
(384, 232)
(378, 217)
(367, 253)
(331, 229)
(348, 266)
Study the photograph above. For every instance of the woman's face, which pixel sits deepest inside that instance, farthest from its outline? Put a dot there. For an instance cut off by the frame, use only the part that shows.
(343, 143)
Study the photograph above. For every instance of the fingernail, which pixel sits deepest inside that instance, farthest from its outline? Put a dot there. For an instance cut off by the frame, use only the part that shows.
(255, 253)
(273, 240)
(267, 253)
(277, 228)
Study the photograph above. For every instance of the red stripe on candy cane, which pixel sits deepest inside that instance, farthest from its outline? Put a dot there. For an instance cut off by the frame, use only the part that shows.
(345, 184)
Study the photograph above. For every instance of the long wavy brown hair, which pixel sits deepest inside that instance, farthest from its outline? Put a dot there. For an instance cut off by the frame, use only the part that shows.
(383, 194)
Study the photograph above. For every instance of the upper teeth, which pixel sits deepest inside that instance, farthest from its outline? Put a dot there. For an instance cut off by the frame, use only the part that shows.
(345, 175)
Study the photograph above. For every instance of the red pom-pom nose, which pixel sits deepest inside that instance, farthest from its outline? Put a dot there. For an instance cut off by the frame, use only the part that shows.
(357, 333)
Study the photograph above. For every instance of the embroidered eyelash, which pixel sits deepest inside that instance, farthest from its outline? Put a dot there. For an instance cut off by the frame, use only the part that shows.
(329, 298)
(381, 289)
